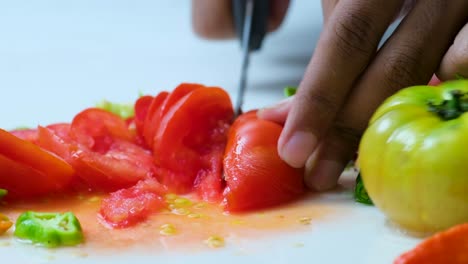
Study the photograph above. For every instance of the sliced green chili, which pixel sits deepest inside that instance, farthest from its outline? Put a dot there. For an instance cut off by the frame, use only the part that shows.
(49, 229)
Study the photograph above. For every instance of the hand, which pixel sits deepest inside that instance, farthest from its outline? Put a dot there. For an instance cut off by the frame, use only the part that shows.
(347, 78)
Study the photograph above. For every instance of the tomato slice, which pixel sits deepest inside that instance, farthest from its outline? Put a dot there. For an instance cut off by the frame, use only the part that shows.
(26, 134)
(142, 106)
(255, 175)
(97, 129)
(100, 148)
(130, 206)
(152, 117)
(27, 170)
(189, 135)
(449, 246)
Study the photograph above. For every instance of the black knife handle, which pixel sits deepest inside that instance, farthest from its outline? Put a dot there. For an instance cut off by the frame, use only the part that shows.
(259, 21)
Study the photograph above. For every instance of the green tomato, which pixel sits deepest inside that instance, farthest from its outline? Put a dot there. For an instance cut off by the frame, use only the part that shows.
(414, 157)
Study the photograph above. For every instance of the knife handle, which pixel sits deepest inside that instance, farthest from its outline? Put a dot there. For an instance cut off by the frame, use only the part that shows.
(259, 21)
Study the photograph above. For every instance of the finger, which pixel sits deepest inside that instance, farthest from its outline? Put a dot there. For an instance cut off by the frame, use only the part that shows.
(213, 19)
(327, 8)
(277, 113)
(277, 12)
(408, 58)
(455, 61)
(347, 44)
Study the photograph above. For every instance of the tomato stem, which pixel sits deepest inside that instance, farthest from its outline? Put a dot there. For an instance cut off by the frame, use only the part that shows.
(451, 108)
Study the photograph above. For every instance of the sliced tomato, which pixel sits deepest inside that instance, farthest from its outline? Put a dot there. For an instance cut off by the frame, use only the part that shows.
(98, 146)
(29, 134)
(255, 175)
(152, 118)
(161, 106)
(189, 135)
(142, 106)
(97, 129)
(27, 170)
(130, 206)
(448, 246)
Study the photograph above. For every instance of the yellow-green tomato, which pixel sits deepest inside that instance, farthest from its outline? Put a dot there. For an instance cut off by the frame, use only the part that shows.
(414, 157)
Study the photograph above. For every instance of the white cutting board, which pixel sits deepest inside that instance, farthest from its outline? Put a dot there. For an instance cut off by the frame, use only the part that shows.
(59, 57)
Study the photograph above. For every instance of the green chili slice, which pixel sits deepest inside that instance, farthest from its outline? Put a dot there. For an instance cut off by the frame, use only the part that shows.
(49, 229)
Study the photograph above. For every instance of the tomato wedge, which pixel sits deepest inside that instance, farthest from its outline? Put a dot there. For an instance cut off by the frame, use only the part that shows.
(97, 129)
(130, 206)
(152, 118)
(101, 149)
(189, 135)
(161, 105)
(449, 246)
(255, 175)
(29, 134)
(142, 106)
(27, 170)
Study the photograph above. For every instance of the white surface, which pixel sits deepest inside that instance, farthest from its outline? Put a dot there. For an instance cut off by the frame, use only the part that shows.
(58, 57)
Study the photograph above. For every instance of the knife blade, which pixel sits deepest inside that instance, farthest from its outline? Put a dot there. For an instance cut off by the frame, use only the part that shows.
(250, 20)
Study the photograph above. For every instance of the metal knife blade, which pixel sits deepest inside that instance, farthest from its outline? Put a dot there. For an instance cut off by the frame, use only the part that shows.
(248, 18)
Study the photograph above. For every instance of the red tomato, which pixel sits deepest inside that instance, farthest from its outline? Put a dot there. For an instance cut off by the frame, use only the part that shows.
(97, 129)
(100, 148)
(151, 118)
(255, 175)
(27, 170)
(161, 105)
(449, 246)
(189, 134)
(128, 207)
(142, 106)
(26, 134)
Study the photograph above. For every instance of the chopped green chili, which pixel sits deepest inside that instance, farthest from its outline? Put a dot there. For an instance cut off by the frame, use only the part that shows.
(49, 229)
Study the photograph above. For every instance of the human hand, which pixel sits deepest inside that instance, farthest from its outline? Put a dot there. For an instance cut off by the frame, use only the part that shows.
(347, 78)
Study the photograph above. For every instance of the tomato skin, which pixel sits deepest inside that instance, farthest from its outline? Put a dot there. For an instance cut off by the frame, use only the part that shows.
(414, 164)
(449, 246)
(142, 106)
(161, 104)
(255, 175)
(100, 148)
(188, 136)
(26, 134)
(27, 170)
(128, 207)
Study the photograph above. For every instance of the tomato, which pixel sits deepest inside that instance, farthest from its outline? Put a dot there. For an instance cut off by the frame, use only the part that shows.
(130, 206)
(255, 175)
(27, 170)
(413, 157)
(97, 129)
(188, 137)
(449, 246)
(142, 106)
(161, 105)
(101, 149)
(29, 134)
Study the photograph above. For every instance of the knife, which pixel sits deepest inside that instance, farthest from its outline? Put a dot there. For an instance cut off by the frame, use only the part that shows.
(250, 21)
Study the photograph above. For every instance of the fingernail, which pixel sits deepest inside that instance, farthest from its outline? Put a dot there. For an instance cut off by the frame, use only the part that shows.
(324, 175)
(298, 148)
